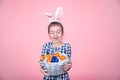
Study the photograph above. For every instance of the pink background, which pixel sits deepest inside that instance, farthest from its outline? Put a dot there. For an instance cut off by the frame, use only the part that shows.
(92, 27)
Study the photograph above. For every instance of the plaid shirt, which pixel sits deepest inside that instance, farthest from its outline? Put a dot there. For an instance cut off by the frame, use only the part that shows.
(48, 48)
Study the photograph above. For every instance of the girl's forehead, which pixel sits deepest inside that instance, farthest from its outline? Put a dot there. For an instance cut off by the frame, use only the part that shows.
(55, 28)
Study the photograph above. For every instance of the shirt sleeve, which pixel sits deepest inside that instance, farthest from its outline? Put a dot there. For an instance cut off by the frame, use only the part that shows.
(44, 50)
(68, 50)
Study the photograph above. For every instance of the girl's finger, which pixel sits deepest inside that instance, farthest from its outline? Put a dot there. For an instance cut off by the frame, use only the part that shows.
(46, 71)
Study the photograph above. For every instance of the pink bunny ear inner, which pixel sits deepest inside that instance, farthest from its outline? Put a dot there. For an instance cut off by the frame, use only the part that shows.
(59, 13)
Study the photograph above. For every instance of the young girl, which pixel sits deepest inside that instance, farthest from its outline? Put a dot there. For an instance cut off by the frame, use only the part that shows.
(56, 32)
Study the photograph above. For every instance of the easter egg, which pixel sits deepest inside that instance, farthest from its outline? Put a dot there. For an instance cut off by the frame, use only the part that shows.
(55, 59)
(57, 54)
(42, 58)
(49, 57)
(62, 57)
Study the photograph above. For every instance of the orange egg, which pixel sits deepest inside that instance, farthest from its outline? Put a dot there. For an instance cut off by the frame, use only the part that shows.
(42, 58)
(57, 54)
(49, 57)
(62, 57)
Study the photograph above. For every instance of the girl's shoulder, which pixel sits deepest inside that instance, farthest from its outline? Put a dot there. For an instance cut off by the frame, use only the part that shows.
(46, 44)
(67, 44)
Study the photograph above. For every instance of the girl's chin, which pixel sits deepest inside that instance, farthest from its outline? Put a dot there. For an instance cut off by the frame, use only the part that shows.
(56, 41)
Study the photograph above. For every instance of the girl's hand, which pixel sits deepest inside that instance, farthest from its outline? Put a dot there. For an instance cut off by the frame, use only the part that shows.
(44, 72)
(66, 67)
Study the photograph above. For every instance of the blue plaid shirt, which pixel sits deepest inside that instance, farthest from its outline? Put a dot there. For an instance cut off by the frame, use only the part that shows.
(65, 48)
(48, 48)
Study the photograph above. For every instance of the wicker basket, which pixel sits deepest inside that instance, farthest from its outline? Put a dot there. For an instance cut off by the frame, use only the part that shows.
(54, 68)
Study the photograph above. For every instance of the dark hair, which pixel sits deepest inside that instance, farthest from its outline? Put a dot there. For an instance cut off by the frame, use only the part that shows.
(55, 24)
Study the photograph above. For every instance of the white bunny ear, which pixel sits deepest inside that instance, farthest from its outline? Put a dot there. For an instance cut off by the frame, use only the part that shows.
(59, 13)
(49, 15)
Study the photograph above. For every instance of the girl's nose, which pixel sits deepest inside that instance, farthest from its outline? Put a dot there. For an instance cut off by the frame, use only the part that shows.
(55, 34)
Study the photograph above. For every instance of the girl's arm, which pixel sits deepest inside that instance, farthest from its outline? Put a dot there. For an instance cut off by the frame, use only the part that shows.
(67, 67)
(43, 71)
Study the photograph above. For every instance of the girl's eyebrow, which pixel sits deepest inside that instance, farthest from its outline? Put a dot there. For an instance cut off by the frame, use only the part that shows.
(58, 30)
(51, 31)
(54, 31)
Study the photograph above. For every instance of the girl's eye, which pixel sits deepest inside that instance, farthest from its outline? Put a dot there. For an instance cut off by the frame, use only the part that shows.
(58, 32)
(52, 33)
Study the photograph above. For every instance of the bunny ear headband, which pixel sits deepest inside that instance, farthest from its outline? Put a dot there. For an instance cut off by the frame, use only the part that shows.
(57, 17)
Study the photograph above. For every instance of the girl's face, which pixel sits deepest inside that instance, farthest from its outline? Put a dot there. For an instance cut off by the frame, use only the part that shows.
(55, 34)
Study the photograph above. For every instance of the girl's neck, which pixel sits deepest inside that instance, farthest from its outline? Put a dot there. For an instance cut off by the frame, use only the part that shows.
(58, 44)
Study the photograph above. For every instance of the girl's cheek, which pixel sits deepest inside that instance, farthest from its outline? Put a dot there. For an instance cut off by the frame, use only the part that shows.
(60, 35)
(50, 36)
